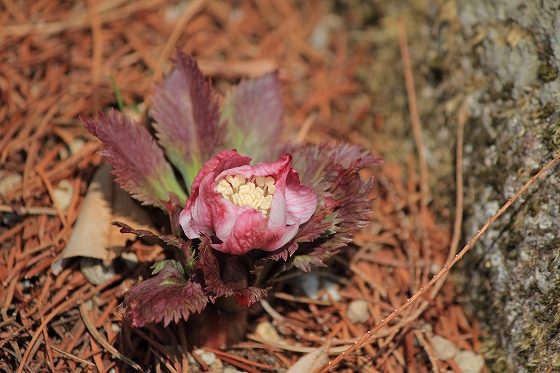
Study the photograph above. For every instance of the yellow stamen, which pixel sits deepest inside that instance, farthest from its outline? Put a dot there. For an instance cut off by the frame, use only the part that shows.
(256, 191)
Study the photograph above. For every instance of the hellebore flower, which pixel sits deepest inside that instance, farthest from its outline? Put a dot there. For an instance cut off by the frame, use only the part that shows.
(243, 207)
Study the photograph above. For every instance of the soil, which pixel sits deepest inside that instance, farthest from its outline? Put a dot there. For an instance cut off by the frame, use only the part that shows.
(343, 74)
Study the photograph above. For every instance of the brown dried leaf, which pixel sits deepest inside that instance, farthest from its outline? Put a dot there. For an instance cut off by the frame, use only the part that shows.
(312, 361)
(93, 235)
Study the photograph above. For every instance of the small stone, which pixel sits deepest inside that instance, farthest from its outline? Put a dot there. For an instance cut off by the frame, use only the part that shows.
(95, 270)
(76, 145)
(64, 193)
(443, 347)
(358, 311)
(208, 357)
(9, 182)
(268, 332)
(232, 370)
(310, 283)
(217, 366)
(469, 362)
(332, 289)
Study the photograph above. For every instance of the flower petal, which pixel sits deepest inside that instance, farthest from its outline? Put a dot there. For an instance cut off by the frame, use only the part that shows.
(278, 210)
(225, 160)
(250, 232)
(198, 215)
(301, 200)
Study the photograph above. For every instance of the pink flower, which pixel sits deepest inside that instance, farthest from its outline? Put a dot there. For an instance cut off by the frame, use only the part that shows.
(247, 207)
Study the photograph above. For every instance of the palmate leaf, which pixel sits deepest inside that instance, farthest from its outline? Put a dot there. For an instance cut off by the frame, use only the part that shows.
(253, 112)
(188, 118)
(138, 162)
(166, 297)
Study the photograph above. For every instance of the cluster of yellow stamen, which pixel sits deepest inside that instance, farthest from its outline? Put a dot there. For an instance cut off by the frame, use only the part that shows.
(256, 191)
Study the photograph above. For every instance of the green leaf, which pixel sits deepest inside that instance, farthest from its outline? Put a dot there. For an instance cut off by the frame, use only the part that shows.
(187, 115)
(138, 162)
(253, 114)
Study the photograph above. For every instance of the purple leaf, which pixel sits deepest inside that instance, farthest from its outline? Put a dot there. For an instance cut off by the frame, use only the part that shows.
(253, 111)
(138, 162)
(228, 279)
(187, 115)
(163, 240)
(343, 200)
(166, 297)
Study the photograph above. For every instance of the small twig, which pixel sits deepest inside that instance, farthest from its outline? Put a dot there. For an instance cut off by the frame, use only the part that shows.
(99, 338)
(305, 300)
(305, 127)
(44, 324)
(301, 349)
(371, 333)
(416, 127)
(73, 357)
(462, 118)
(200, 361)
(184, 348)
(271, 311)
(187, 15)
(429, 350)
(97, 46)
(31, 210)
(50, 190)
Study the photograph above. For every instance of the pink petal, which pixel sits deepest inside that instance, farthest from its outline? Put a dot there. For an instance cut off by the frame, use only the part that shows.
(287, 233)
(277, 215)
(301, 200)
(250, 232)
(197, 216)
(275, 169)
(224, 160)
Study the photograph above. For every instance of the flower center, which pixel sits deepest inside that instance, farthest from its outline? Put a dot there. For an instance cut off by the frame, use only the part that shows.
(255, 191)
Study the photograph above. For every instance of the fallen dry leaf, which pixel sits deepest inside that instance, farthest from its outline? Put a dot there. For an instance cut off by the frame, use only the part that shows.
(93, 235)
(312, 361)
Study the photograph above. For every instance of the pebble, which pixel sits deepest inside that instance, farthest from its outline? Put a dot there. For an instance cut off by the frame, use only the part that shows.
(232, 370)
(217, 366)
(63, 193)
(469, 362)
(358, 311)
(76, 145)
(9, 182)
(268, 332)
(208, 357)
(95, 271)
(443, 348)
(312, 285)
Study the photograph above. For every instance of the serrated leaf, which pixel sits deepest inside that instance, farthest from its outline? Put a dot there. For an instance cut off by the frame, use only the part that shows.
(138, 162)
(233, 272)
(188, 119)
(253, 112)
(166, 297)
(343, 199)
(165, 241)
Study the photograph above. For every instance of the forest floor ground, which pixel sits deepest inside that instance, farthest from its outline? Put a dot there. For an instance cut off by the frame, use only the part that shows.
(57, 62)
